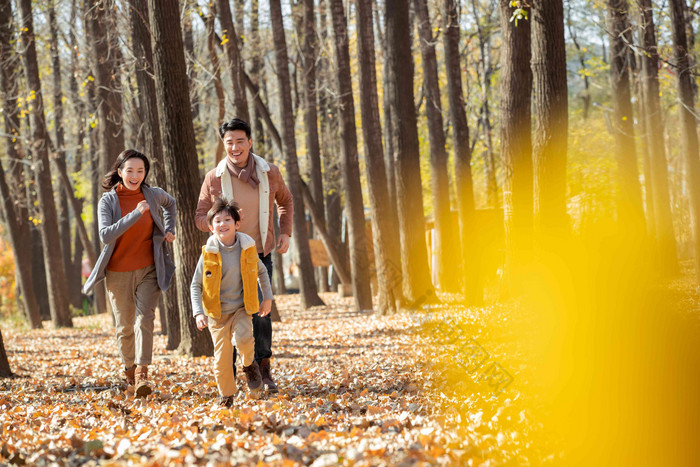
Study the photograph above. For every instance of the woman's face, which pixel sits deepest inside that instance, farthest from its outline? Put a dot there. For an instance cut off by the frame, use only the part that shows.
(132, 173)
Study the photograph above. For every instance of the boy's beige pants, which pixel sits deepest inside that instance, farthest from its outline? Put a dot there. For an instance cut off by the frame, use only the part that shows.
(134, 296)
(231, 328)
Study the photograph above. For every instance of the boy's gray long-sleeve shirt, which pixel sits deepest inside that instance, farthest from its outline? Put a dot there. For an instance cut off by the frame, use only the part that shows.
(231, 294)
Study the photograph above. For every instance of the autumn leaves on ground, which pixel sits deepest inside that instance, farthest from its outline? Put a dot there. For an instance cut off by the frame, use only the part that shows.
(356, 389)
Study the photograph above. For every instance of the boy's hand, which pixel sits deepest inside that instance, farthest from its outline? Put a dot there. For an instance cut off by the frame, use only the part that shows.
(265, 308)
(202, 322)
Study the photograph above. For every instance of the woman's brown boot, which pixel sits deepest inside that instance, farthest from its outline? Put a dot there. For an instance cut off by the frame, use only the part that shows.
(142, 388)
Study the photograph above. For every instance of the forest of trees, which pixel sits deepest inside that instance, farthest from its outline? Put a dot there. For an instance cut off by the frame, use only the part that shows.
(500, 127)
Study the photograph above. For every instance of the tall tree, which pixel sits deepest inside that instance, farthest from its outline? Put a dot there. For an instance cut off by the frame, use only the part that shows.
(663, 231)
(551, 106)
(440, 181)
(387, 256)
(233, 54)
(460, 133)
(216, 79)
(14, 206)
(516, 141)
(148, 108)
(307, 284)
(108, 82)
(414, 255)
(630, 210)
(56, 280)
(311, 116)
(59, 140)
(354, 206)
(684, 84)
(5, 370)
(180, 159)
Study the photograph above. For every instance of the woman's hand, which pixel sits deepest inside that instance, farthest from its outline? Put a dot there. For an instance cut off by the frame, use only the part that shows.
(143, 207)
(169, 237)
(202, 322)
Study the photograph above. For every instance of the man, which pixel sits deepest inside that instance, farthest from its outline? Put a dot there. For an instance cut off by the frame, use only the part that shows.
(255, 185)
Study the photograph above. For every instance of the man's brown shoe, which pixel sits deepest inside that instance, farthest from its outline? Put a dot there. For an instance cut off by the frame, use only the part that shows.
(142, 388)
(267, 375)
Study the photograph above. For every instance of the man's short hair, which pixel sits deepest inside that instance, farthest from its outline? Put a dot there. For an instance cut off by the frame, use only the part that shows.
(222, 204)
(234, 124)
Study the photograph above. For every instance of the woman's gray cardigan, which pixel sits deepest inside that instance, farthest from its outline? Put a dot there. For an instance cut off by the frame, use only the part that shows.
(112, 225)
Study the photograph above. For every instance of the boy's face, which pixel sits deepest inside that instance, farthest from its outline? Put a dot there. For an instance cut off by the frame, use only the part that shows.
(224, 227)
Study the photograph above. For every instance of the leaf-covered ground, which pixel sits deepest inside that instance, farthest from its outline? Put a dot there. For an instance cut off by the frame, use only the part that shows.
(356, 389)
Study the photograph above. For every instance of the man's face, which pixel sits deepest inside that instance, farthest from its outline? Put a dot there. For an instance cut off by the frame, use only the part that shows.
(224, 227)
(237, 146)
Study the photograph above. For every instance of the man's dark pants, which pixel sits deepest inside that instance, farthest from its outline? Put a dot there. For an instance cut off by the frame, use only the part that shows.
(262, 326)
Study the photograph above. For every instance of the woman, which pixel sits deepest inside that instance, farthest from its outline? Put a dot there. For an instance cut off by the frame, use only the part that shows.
(135, 261)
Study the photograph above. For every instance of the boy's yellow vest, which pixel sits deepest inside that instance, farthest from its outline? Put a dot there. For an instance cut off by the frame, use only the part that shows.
(212, 273)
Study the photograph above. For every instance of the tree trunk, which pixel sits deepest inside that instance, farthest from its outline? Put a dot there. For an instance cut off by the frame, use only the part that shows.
(354, 206)
(417, 285)
(13, 206)
(663, 231)
(218, 87)
(471, 257)
(180, 160)
(447, 247)
(256, 67)
(148, 104)
(516, 143)
(190, 61)
(551, 106)
(230, 41)
(389, 136)
(5, 371)
(311, 117)
(55, 278)
(307, 285)
(684, 83)
(387, 256)
(586, 95)
(107, 82)
(630, 210)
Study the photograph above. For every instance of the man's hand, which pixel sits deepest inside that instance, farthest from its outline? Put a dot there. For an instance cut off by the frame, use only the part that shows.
(283, 243)
(265, 308)
(202, 322)
(169, 237)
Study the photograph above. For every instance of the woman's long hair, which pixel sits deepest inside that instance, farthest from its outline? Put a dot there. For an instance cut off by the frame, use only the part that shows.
(112, 177)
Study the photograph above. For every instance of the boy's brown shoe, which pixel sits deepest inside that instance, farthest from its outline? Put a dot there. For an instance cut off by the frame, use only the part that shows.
(267, 375)
(129, 374)
(255, 384)
(142, 388)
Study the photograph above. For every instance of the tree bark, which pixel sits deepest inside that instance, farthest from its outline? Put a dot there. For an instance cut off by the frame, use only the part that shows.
(218, 87)
(684, 84)
(180, 160)
(447, 247)
(663, 232)
(354, 206)
(387, 256)
(307, 285)
(5, 370)
(311, 118)
(55, 279)
(551, 106)
(471, 257)
(629, 199)
(516, 143)
(107, 82)
(148, 104)
(13, 206)
(417, 285)
(230, 41)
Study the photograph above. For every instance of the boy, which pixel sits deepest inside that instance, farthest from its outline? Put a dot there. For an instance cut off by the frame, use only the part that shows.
(224, 297)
